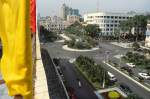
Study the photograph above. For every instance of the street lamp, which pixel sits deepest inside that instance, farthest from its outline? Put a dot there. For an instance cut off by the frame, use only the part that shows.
(107, 56)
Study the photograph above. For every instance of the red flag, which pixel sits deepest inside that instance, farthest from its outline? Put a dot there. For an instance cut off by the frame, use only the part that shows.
(33, 16)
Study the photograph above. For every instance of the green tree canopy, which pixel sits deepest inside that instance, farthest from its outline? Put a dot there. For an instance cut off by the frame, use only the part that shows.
(92, 30)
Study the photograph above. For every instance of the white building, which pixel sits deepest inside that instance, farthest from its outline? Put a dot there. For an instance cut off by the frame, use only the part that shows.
(147, 40)
(52, 23)
(107, 21)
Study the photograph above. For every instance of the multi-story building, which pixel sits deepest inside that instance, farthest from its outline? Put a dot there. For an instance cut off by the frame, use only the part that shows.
(73, 18)
(147, 40)
(52, 23)
(45, 21)
(65, 11)
(107, 21)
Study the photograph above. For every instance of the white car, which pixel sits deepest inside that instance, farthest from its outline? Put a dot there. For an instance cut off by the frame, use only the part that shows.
(130, 65)
(112, 77)
(144, 75)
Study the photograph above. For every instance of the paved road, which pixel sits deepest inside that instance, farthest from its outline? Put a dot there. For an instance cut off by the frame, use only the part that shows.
(86, 91)
(121, 79)
(55, 49)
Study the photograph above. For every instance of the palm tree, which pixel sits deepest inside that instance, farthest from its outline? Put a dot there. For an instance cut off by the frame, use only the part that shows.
(139, 22)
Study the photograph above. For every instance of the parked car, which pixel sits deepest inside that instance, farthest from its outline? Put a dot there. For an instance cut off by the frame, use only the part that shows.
(144, 75)
(125, 88)
(130, 72)
(130, 65)
(112, 77)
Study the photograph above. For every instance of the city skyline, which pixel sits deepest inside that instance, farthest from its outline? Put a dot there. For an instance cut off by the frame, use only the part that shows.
(52, 8)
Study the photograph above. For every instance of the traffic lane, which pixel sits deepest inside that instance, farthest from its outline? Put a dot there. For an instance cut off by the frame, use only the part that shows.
(122, 79)
(57, 51)
(86, 91)
(113, 48)
(135, 70)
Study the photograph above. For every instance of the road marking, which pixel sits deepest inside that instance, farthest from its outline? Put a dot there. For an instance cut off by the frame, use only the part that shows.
(147, 84)
(127, 76)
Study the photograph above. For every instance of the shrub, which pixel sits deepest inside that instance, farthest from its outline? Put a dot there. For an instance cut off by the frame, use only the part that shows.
(82, 45)
(113, 95)
(135, 46)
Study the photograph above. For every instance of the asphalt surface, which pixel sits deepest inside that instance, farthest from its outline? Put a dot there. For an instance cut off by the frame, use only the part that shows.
(56, 51)
(86, 91)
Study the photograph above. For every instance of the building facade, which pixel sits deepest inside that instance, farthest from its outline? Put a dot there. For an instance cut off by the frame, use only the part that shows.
(54, 24)
(73, 18)
(107, 21)
(65, 11)
(147, 40)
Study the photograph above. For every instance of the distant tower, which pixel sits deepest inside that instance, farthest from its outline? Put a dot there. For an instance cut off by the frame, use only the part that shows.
(39, 16)
(63, 11)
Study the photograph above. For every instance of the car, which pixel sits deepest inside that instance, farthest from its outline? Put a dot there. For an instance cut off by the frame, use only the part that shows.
(130, 65)
(112, 77)
(144, 75)
(130, 72)
(71, 93)
(125, 88)
(125, 68)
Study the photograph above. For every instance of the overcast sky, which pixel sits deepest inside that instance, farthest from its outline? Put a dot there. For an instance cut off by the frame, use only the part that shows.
(52, 7)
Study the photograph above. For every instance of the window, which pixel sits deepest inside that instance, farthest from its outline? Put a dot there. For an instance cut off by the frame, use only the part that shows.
(107, 25)
(116, 17)
(107, 29)
(108, 16)
(112, 17)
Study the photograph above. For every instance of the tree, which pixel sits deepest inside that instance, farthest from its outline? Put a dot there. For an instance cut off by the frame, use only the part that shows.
(126, 25)
(139, 22)
(92, 30)
(46, 35)
(135, 46)
(117, 33)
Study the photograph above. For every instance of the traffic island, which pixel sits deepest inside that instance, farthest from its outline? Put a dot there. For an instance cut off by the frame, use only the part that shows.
(111, 93)
(65, 47)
